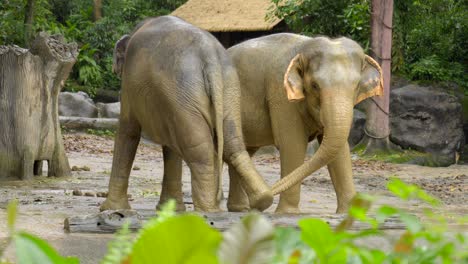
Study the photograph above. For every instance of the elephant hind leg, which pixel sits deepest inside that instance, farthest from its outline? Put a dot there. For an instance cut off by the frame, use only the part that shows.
(172, 179)
(202, 159)
(126, 144)
(238, 200)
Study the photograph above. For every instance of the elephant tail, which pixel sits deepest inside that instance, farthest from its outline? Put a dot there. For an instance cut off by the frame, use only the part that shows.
(214, 80)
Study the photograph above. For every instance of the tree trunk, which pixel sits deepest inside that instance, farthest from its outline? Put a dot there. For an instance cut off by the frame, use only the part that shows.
(28, 21)
(30, 82)
(377, 129)
(97, 10)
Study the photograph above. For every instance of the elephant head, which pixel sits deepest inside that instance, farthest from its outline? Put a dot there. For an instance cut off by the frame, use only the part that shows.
(330, 76)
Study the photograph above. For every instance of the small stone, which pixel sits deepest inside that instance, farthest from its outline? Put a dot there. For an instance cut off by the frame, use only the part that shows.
(90, 194)
(77, 192)
(101, 194)
(136, 168)
(75, 168)
(86, 168)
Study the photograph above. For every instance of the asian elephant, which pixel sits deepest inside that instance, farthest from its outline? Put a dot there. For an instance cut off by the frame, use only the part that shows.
(180, 87)
(294, 89)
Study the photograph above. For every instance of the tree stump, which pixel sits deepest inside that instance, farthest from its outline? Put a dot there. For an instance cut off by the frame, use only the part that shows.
(30, 82)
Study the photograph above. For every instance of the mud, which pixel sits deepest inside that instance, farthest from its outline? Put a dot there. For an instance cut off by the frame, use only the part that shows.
(46, 202)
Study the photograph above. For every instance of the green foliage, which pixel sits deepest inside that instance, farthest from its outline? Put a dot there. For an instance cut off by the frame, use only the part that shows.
(393, 156)
(12, 22)
(332, 18)
(29, 248)
(187, 238)
(429, 37)
(178, 239)
(74, 20)
(101, 132)
(434, 36)
(252, 239)
(33, 250)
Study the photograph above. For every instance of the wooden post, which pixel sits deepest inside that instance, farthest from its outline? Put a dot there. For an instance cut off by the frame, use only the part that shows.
(378, 124)
(30, 82)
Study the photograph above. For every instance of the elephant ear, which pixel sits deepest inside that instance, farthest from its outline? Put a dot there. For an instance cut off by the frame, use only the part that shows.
(293, 81)
(371, 83)
(119, 54)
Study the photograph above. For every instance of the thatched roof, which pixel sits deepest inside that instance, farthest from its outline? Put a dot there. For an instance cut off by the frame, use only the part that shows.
(227, 15)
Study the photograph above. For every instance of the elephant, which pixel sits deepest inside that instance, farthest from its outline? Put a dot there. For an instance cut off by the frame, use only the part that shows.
(295, 89)
(180, 87)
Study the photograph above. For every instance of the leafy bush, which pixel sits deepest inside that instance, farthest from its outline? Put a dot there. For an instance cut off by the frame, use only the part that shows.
(429, 37)
(187, 238)
(74, 20)
(332, 18)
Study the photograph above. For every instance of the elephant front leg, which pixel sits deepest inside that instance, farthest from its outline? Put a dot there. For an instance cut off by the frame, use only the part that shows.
(292, 156)
(172, 180)
(125, 146)
(342, 177)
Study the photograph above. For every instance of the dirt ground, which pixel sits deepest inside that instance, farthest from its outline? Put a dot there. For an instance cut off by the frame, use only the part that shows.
(44, 203)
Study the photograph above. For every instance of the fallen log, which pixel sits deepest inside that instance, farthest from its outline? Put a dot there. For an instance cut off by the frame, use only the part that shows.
(111, 221)
(79, 123)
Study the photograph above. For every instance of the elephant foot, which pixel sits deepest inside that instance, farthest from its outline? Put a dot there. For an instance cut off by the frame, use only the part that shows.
(110, 204)
(238, 208)
(287, 210)
(261, 201)
(208, 210)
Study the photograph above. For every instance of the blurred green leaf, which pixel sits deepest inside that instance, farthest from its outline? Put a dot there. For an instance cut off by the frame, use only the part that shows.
(33, 250)
(249, 241)
(178, 239)
(12, 213)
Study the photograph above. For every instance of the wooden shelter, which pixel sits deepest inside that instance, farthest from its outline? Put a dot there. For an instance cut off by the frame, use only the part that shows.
(231, 21)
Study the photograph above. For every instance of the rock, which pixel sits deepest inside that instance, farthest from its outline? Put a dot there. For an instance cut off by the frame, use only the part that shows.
(106, 96)
(398, 82)
(77, 192)
(429, 120)
(136, 167)
(357, 130)
(76, 104)
(111, 110)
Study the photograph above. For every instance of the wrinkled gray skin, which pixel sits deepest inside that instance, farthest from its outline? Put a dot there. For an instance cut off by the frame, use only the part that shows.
(180, 87)
(294, 89)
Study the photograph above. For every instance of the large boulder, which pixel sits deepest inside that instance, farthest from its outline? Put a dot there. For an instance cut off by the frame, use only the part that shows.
(111, 110)
(427, 119)
(357, 130)
(76, 104)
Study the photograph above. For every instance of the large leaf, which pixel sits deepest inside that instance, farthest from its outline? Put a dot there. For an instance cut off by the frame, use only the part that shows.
(179, 239)
(290, 248)
(33, 250)
(249, 241)
(12, 212)
(326, 243)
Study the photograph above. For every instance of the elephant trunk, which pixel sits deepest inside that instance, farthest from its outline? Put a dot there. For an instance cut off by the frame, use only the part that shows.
(336, 116)
(258, 192)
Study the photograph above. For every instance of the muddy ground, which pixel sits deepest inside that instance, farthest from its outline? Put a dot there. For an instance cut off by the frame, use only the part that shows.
(46, 202)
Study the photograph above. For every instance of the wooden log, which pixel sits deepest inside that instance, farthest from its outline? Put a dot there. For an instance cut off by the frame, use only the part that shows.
(79, 123)
(30, 82)
(111, 221)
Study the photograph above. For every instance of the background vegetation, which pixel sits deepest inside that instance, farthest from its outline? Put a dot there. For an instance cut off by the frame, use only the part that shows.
(429, 37)
(74, 19)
